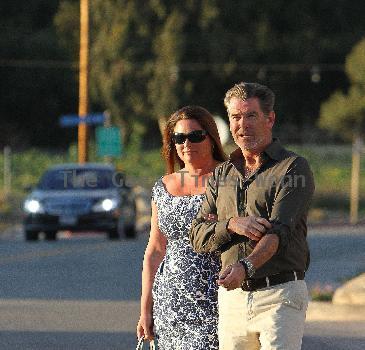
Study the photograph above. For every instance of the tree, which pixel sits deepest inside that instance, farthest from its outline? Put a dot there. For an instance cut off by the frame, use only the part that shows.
(121, 58)
(150, 57)
(36, 88)
(344, 113)
(162, 86)
(120, 51)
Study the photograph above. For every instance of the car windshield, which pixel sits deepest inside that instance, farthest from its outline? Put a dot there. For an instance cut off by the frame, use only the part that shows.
(71, 179)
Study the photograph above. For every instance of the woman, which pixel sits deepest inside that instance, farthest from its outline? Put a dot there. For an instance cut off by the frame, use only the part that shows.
(179, 291)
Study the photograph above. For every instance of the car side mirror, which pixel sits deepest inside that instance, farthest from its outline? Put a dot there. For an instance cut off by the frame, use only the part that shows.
(28, 188)
(120, 181)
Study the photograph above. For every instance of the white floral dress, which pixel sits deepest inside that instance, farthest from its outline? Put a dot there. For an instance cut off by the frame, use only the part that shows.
(185, 309)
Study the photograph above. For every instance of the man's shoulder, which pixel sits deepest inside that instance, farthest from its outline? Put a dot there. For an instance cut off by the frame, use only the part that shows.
(286, 155)
(286, 160)
(222, 168)
(292, 162)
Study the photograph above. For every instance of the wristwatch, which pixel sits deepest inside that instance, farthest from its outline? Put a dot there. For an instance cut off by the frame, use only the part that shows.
(248, 266)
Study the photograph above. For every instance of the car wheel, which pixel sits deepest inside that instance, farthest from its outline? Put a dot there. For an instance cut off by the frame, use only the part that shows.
(130, 231)
(51, 235)
(113, 234)
(31, 235)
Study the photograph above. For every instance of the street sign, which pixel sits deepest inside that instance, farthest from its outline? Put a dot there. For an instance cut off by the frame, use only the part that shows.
(72, 120)
(94, 119)
(108, 141)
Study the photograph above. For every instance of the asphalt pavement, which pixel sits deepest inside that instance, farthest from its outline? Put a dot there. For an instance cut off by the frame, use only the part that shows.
(82, 292)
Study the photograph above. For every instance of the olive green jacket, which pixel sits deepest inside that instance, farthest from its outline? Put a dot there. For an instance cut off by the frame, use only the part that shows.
(279, 191)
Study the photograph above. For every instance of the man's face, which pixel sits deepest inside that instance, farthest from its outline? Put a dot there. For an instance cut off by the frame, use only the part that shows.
(250, 129)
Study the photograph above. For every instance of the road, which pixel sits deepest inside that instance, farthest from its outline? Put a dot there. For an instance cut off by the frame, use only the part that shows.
(336, 255)
(78, 293)
(83, 292)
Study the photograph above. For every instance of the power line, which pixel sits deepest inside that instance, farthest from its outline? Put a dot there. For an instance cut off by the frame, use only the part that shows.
(285, 67)
(188, 66)
(47, 64)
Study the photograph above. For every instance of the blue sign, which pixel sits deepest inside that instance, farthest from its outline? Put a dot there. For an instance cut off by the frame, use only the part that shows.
(71, 120)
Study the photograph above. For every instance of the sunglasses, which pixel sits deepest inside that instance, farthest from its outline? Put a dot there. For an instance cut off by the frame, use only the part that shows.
(195, 136)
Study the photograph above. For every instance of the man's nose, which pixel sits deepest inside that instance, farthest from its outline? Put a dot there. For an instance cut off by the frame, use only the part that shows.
(243, 123)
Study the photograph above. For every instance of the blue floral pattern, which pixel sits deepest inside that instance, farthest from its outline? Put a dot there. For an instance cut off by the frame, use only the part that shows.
(185, 306)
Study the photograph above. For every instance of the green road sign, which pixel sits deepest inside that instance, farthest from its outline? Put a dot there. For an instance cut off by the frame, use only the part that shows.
(108, 141)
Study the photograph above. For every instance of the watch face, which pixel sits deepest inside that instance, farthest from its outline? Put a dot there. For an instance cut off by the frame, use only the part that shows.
(248, 266)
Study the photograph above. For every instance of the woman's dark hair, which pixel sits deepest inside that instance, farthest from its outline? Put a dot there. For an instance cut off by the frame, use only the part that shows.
(206, 121)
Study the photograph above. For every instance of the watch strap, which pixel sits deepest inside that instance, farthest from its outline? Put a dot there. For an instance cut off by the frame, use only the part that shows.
(249, 268)
(243, 263)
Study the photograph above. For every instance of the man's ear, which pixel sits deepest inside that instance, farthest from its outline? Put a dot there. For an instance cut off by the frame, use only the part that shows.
(271, 118)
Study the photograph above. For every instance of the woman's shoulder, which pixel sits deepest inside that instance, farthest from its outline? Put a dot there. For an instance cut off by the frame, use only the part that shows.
(171, 181)
(157, 182)
(173, 178)
(167, 181)
(157, 188)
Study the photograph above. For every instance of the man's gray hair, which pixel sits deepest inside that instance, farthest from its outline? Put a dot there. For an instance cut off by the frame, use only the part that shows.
(245, 91)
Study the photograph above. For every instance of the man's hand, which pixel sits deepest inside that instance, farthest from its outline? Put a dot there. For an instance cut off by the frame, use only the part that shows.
(250, 226)
(232, 277)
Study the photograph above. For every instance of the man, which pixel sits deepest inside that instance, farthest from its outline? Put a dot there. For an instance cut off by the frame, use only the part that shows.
(255, 214)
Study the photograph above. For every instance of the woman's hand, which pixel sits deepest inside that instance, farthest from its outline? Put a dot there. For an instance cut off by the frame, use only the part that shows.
(211, 217)
(145, 327)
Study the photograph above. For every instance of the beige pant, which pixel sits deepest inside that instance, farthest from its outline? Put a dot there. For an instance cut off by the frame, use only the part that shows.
(268, 319)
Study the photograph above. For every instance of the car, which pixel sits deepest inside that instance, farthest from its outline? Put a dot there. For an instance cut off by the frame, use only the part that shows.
(80, 197)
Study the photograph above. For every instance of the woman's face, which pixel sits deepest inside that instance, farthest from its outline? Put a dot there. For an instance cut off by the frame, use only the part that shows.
(190, 152)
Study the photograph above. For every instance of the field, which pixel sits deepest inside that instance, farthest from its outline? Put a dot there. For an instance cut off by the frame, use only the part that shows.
(331, 166)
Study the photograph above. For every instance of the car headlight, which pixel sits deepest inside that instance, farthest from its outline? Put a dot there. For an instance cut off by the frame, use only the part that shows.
(107, 204)
(33, 206)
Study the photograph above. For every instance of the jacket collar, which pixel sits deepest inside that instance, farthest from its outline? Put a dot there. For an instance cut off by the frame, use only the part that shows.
(273, 150)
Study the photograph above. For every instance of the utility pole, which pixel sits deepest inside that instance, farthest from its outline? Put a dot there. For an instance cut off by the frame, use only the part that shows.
(107, 124)
(83, 81)
(355, 180)
(7, 171)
